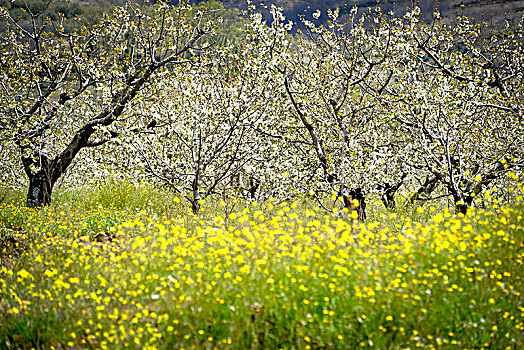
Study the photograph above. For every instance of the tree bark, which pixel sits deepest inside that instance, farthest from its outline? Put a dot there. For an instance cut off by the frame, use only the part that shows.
(195, 202)
(464, 200)
(40, 190)
(460, 205)
(388, 192)
(388, 196)
(355, 193)
(49, 171)
(427, 188)
(254, 184)
(195, 207)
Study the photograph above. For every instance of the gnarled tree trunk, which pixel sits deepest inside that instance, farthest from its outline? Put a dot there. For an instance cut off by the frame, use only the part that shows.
(40, 189)
(425, 190)
(349, 198)
(41, 181)
(388, 192)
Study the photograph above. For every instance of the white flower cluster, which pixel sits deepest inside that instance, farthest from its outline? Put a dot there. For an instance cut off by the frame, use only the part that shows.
(342, 110)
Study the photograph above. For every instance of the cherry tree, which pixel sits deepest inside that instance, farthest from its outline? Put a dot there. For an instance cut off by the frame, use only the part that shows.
(62, 90)
(375, 103)
(458, 93)
(329, 79)
(200, 133)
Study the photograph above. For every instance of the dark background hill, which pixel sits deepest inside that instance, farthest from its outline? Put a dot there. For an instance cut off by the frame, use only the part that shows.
(492, 11)
(87, 11)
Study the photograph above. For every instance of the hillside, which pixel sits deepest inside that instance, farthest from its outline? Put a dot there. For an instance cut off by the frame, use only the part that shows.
(88, 11)
(493, 11)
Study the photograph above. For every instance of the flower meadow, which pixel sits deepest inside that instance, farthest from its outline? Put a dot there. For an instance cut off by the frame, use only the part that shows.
(271, 275)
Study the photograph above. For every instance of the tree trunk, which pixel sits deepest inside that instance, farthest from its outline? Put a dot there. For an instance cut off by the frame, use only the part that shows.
(195, 202)
(40, 189)
(388, 195)
(254, 184)
(388, 192)
(42, 181)
(460, 204)
(388, 198)
(195, 207)
(426, 189)
(355, 193)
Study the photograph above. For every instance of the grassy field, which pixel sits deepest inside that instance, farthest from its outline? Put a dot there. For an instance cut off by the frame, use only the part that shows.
(125, 267)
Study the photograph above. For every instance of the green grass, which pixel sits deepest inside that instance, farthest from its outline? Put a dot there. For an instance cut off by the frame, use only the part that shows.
(267, 275)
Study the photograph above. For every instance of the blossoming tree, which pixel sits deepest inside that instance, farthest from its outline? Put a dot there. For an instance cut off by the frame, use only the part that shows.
(62, 90)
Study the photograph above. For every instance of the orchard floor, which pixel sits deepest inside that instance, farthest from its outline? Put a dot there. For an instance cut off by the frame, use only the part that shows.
(269, 275)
